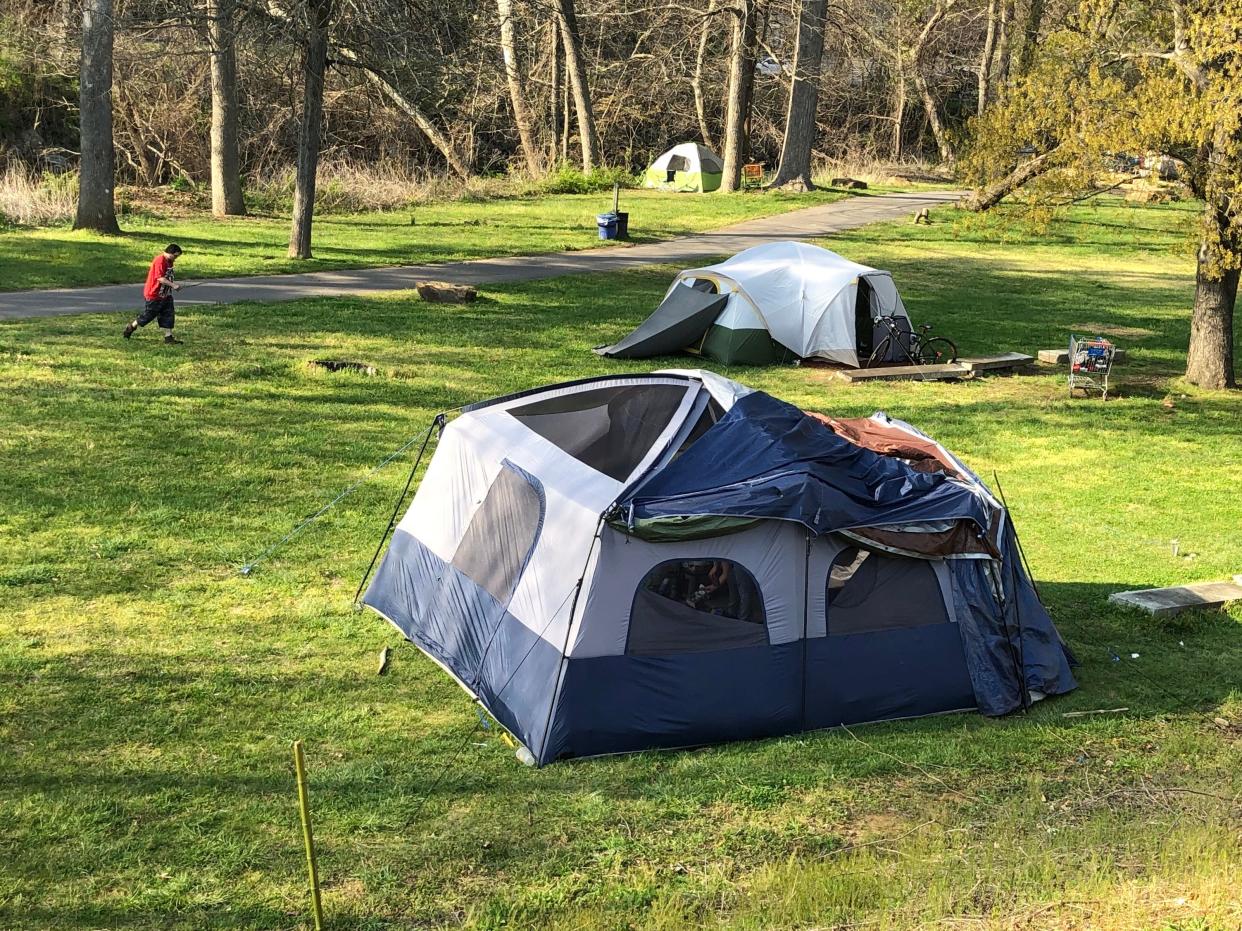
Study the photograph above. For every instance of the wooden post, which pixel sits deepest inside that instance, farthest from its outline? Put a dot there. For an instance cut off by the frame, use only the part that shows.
(299, 764)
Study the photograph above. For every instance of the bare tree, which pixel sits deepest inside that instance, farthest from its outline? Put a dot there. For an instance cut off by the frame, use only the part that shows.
(989, 51)
(696, 81)
(554, 83)
(906, 62)
(517, 92)
(403, 103)
(575, 64)
(741, 89)
(318, 15)
(226, 187)
(917, 54)
(97, 181)
(800, 124)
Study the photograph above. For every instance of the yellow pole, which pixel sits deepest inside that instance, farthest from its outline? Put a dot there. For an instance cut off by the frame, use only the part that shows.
(299, 764)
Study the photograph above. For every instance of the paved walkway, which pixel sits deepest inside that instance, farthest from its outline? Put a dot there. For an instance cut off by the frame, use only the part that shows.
(809, 223)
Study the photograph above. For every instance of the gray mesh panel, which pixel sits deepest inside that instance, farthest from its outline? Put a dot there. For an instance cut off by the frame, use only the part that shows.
(502, 532)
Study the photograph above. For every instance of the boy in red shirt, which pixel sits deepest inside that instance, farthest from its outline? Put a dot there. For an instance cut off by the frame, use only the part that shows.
(158, 295)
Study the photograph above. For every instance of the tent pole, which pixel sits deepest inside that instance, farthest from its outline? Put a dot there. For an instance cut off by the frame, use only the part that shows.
(806, 622)
(1020, 658)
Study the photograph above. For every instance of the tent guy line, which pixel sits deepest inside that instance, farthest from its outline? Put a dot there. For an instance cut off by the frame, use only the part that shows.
(831, 571)
(248, 567)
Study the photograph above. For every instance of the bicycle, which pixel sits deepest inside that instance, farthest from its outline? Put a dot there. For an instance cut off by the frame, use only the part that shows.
(918, 348)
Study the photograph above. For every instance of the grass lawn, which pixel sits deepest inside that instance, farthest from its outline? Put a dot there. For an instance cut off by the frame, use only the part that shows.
(442, 232)
(149, 692)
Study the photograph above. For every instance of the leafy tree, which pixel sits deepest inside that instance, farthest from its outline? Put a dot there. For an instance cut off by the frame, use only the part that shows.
(1134, 77)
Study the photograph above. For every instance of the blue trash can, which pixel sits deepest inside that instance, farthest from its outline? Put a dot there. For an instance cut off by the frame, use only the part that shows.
(607, 223)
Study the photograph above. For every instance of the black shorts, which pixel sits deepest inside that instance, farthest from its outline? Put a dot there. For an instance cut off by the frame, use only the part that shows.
(159, 309)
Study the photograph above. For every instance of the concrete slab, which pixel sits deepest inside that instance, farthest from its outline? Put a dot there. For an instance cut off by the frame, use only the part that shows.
(899, 372)
(688, 251)
(1161, 602)
(994, 363)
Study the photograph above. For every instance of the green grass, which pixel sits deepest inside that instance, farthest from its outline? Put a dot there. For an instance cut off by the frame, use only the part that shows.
(149, 693)
(441, 232)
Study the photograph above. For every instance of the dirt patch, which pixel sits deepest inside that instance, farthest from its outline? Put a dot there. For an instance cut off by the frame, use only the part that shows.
(1106, 329)
(343, 365)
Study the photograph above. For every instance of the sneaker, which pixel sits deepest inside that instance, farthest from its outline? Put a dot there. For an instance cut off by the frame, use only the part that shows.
(172, 340)
(129, 330)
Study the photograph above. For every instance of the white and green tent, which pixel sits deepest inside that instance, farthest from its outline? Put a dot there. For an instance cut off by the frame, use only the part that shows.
(685, 167)
(775, 302)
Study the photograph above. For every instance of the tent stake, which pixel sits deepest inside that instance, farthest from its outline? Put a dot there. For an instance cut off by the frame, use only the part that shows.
(299, 764)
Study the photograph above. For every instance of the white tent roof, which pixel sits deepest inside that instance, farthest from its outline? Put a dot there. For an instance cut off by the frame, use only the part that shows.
(805, 295)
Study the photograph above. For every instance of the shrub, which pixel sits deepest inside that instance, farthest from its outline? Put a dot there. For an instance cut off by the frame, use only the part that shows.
(568, 180)
(29, 199)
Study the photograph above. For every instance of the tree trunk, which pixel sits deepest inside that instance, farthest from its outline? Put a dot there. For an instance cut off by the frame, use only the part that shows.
(988, 197)
(566, 112)
(700, 104)
(97, 180)
(1209, 360)
(899, 114)
(556, 91)
(741, 85)
(1030, 35)
(318, 15)
(1000, 65)
(517, 93)
(800, 123)
(985, 59)
(576, 66)
(226, 188)
(933, 117)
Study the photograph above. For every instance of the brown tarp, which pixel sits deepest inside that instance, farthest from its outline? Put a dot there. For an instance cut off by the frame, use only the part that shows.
(923, 456)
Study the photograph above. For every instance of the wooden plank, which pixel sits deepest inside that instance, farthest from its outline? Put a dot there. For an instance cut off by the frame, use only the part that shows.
(1161, 602)
(919, 372)
(1002, 360)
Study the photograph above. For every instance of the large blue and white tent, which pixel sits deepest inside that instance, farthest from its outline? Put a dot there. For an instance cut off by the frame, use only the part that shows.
(673, 559)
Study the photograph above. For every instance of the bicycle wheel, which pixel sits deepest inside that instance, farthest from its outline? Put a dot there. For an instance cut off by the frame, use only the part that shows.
(937, 351)
(879, 353)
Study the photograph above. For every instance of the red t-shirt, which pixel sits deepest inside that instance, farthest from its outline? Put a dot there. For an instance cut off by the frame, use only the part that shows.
(161, 267)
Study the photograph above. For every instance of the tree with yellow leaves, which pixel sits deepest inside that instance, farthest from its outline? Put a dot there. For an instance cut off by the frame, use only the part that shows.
(1135, 76)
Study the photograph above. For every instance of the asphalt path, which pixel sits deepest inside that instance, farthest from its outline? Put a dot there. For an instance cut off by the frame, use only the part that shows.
(808, 223)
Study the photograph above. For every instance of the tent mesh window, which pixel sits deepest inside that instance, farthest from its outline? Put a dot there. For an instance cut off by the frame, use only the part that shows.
(610, 429)
(712, 413)
(869, 592)
(695, 606)
(494, 549)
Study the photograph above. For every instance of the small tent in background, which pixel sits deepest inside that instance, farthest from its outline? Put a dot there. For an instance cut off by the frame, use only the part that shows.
(771, 303)
(685, 167)
(674, 559)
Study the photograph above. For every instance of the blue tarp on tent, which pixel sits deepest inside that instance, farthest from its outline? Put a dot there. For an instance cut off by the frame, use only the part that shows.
(766, 458)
